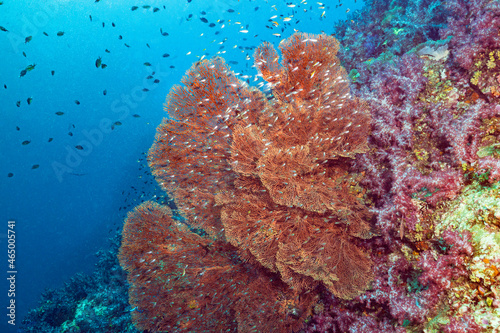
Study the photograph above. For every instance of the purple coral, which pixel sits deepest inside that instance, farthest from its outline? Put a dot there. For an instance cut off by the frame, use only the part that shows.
(391, 27)
(463, 324)
(474, 26)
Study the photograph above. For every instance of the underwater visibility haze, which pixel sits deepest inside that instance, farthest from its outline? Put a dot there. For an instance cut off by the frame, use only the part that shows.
(250, 166)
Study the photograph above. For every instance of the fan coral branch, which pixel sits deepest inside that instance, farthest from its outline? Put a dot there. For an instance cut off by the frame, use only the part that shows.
(183, 282)
(228, 155)
(272, 178)
(190, 155)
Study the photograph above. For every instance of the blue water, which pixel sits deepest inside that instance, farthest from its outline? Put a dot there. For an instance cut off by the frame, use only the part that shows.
(65, 210)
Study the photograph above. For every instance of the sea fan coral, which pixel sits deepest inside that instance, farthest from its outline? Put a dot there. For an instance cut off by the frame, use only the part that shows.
(181, 281)
(274, 173)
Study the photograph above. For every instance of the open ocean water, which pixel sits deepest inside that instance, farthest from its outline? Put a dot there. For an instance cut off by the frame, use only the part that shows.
(82, 89)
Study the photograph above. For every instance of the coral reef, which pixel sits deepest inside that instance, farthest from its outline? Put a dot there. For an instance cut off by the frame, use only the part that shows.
(474, 27)
(293, 176)
(96, 303)
(432, 173)
(365, 218)
(383, 29)
(476, 213)
(360, 202)
(271, 178)
(181, 281)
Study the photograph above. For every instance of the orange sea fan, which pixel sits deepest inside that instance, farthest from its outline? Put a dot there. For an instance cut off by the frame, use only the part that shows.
(190, 157)
(303, 217)
(272, 177)
(306, 248)
(180, 281)
(167, 268)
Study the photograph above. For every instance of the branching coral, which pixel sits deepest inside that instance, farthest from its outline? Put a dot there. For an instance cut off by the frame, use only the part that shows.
(281, 184)
(279, 167)
(292, 175)
(474, 26)
(270, 181)
(181, 281)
